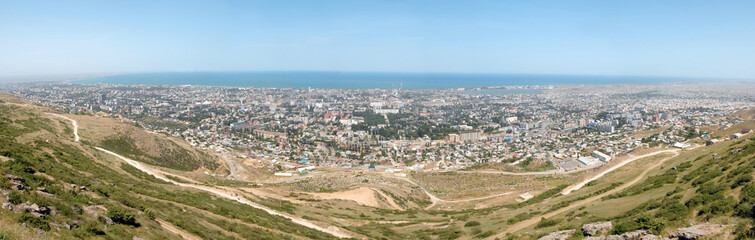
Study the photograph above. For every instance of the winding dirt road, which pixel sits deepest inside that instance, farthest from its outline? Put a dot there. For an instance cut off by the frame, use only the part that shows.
(175, 230)
(617, 166)
(436, 200)
(335, 231)
(73, 122)
(534, 220)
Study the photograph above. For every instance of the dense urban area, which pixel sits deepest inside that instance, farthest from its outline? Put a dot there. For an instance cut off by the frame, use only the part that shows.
(563, 128)
(509, 162)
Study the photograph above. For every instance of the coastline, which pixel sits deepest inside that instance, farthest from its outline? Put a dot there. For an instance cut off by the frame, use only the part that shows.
(369, 80)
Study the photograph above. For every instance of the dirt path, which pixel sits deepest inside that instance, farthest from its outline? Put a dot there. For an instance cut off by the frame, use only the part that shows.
(535, 219)
(335, 231)
(362, 195)
(436, 200)
(231, 166)
(390, 200)
(617, 166)
(168, 226)
(233, 220)
(73, 122)
(625, 162)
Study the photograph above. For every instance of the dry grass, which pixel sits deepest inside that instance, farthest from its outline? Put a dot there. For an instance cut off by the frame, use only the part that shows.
(12, 230)
(171, 151)
(464, 185)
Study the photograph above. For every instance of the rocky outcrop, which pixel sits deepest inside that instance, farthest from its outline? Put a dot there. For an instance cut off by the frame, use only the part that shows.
(636, 234)
(38, 211)
(592, 229)
(17, 181)
(560, 235)
(696, 231)
(91, 211)
(107, 220)
(71, 225)
(33, 209)
(633, 235)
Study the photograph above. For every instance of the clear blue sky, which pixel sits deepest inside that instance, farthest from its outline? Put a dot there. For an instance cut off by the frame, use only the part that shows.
(653, 38)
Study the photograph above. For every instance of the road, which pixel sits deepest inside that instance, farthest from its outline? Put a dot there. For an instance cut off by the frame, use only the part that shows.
(535, 219)
(436, 200)
(168, 226)
(231, 166)
(335, 231)
(617, 166)
(625, 162)
(73, 122)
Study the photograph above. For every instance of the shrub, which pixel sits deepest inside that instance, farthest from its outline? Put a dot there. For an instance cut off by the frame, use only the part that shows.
(544, 222)
(472, 224)
(15, 197)
(122, 216)
(486, 234)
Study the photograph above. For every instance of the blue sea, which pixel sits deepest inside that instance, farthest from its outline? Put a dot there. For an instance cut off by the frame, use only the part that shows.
(366, 80)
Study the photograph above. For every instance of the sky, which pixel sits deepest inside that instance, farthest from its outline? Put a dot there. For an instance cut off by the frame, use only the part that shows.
(645, 38)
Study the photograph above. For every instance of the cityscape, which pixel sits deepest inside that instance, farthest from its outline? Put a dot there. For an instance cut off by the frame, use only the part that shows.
(377, 120)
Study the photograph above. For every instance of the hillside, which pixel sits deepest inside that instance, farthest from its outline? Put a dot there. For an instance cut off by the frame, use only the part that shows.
(708, 185)
(124, 137)
(55, 187)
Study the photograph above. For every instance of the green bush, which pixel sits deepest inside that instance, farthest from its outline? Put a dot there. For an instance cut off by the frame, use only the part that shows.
(544, 222)
(15, 197)
(122, 216)
(472, 224)
(486, 234)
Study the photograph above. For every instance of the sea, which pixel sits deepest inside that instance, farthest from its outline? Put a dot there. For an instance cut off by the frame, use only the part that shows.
(367, 80)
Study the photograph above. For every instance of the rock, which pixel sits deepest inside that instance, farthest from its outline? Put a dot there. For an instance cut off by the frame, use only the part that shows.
(633, 235)
(41, 189)
(16, 179)
(91, 211)
(71, 225)
(21, 208)
(47, 195)
(137, 238)
(108, 221)
(614, 237)
(38, 211)
(697, 231)
(560, 235)
(8, 206)
(595, 238)
(33, 208)
(591, 229)
(650, 237)
(636, 234)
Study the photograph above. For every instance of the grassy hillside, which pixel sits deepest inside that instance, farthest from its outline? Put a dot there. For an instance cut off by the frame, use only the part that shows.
(709, 184)
(129, 140)
(53, 187)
